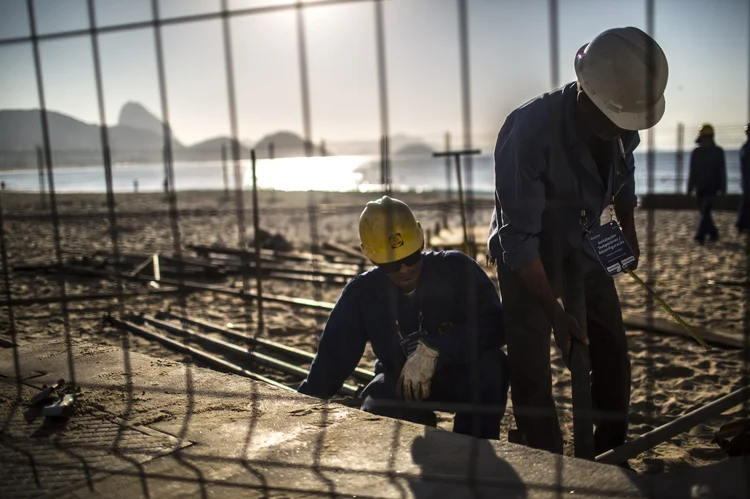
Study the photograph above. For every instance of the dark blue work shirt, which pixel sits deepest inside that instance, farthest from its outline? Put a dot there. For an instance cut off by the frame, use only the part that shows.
(455, 296)
(745, 169)
(708, 171)
(545, 176)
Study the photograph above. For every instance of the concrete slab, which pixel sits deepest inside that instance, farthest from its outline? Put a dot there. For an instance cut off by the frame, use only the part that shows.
(253, 440)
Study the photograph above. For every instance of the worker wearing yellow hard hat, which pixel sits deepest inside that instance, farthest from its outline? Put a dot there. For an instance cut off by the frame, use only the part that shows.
(708, 179)
(705, 131)
(434, 322)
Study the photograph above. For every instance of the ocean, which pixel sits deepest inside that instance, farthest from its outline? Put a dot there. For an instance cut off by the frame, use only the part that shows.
(331, 173)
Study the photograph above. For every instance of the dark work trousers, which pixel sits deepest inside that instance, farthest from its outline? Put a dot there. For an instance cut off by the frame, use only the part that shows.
(451, 383)
(527, 330)
(743, 217)
(706, 225)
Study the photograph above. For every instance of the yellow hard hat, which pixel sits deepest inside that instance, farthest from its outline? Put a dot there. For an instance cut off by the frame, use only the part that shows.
(389, 231)
(706, 130)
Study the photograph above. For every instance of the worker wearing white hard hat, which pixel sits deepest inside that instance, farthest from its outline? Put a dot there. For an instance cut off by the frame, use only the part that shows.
(560, 161)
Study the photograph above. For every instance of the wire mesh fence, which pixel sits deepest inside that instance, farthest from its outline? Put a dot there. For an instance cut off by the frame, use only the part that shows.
(161, 261)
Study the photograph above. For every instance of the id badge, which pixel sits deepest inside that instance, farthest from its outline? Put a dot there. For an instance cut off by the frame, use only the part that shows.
(611, 248)
(409, 342)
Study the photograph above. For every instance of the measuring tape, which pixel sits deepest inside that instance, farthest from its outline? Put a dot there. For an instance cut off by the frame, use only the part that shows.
(669, 310)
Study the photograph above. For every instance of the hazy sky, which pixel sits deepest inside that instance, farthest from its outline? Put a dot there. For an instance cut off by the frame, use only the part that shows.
(706, 43)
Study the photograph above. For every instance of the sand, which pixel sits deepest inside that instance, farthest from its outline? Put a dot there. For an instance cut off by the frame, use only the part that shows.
(671, 375)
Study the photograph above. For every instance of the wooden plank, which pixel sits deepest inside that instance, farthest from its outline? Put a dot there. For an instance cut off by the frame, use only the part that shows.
(663, 326)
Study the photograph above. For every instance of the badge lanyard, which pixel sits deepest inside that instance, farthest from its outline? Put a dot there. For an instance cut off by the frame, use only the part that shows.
(409, 342)
(583, 218)
(608, 242)
(615, 254)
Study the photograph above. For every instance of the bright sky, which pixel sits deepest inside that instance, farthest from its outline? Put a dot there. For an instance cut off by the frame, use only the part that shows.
(706, 44)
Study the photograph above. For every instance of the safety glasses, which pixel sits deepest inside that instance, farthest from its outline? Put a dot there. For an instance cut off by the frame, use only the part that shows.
(410, 260)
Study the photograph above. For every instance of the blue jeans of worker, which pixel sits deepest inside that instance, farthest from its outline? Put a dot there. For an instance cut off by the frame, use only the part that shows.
(451, 383)
(706, 225)
(527, 331)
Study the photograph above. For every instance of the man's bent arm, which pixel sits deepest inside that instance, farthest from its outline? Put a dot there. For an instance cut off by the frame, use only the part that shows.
(340, 350)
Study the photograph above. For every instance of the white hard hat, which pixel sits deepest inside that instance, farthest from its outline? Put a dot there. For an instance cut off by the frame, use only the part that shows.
(624, 72)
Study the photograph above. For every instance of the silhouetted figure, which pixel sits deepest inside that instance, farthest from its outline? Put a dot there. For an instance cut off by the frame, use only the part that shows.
(708, 178)
(166, 185)
(135, 185)
(2, 186)
(743, 217)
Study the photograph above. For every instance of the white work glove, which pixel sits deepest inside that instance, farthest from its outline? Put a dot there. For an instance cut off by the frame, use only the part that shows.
(416, 376)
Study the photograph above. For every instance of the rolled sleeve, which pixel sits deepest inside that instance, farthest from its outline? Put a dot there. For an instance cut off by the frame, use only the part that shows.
(519, 199)
(626, 198)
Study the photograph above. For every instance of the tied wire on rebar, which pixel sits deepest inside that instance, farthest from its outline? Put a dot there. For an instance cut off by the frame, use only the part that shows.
(50, 175)
(746, 289)
(554, 50)
(312, 209)
(8, 293)
(171, 196)
(386, 178)
(114, 237)
(238, 177)
(650, 214)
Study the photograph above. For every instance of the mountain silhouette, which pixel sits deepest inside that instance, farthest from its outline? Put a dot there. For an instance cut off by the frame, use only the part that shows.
(285, 145)
(135, 115)
(416, 149)
(136, 138)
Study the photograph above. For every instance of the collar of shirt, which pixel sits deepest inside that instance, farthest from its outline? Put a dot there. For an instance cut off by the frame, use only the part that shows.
(569, 98)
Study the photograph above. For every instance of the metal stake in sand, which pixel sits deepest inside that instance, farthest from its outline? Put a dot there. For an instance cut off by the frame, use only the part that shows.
(256, 228)
(448, 181)
(575, 304)
(224, 169)
(40, 165)
(679, 158)
(457, 158)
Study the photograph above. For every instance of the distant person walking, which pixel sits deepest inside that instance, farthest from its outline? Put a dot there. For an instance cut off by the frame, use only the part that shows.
(708, 178)
(2, 184)
(135, 185)
(743, 217)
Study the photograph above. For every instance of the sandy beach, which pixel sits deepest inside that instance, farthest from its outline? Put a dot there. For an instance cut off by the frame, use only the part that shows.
(671, 375)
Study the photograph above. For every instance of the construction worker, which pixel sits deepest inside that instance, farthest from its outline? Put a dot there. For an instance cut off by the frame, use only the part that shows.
(708, 178)
(434, 322)
(560, 161)
(743, 217)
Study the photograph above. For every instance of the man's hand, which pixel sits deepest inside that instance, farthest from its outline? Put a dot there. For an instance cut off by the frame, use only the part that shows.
(566, 329)
(632, 238)
(416, 376)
